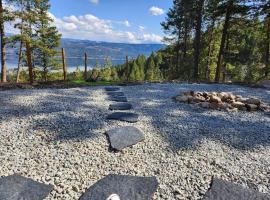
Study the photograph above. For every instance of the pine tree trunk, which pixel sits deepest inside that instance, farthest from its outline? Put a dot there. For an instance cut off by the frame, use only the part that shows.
(3, 43)
(197, 43)
(209, 52)
(224, 66)
(19, 63)
(29, 62)
(267, 49)
(223, 40)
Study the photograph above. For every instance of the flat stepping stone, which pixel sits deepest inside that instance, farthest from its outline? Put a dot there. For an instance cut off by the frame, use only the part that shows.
(16, 187)
(118, 99)
(116, 94)
(123, 116)
(126, 187)
(224, 190)
(120, 106)
(121, 138)
(112, 89)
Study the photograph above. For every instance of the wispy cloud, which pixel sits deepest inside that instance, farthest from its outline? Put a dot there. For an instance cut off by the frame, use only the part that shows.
(94, 1)
(93, 28)
(156, 11)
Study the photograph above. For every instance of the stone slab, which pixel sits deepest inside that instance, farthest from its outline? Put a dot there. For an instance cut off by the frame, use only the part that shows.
(115, 94)
(123, 116)
(120, 106)
(112, 89)
(118, 99)
(16, 187)
(224, 190)
(121, 138)
(126, 187)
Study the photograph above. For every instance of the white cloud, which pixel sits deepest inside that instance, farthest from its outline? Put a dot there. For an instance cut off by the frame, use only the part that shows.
(155, 11)
(91, 27)
(142, 28)
(94, 1)
(126, 23)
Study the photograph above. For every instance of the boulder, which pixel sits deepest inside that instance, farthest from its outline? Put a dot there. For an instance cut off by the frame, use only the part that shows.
(223, 106)
(215, 99)
(253, 101)
(251, 107)
(238, 104)
(199, 98)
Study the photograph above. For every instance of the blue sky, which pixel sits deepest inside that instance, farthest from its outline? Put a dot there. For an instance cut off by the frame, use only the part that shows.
(131, 21)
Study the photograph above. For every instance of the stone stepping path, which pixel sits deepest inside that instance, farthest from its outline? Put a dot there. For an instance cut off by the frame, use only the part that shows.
(120, 106)
(118, 99)
(223, 190)
(124, 116)
(121, 138)
(112, 89)
(126, 187)
(16, 187)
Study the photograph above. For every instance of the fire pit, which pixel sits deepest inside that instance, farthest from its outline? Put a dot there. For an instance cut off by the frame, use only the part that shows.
(222, 101)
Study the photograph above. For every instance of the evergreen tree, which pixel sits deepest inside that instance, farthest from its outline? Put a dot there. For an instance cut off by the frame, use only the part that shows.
(48, 39)
(150, 72)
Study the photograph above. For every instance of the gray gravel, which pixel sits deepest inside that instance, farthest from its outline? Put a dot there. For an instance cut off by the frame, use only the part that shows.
(57, 137)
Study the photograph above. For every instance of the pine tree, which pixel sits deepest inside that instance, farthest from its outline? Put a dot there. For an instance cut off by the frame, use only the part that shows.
(141, 66)
(48, 39)
(228, 8)
(150, 69)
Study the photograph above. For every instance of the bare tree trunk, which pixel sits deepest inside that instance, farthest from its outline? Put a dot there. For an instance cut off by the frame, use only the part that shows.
(19, 63)
(64, 64)
(197, 44)
(3, 44)
(29, 62)
(267, 47)
(223, 40)
(85, 66)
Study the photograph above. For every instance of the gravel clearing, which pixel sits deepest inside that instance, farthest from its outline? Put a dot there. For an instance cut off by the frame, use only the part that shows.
(57, 137)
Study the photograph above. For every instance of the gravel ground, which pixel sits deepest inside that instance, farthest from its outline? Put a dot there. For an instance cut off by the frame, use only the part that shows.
(57, 137)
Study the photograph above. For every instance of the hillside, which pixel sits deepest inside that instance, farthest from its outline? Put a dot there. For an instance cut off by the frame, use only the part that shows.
(97, 51)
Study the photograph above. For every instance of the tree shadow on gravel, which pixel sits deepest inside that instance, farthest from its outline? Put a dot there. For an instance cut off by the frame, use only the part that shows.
(185, 126)
(67, 114)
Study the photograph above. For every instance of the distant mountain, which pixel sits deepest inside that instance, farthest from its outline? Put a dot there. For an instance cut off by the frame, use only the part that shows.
(96, 51)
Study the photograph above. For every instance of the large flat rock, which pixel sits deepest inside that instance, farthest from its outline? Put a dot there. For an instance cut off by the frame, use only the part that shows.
(123, 116)
(223, 190)
(118, 99)
(16, 187)
(126, 187)
(120, 106)
(112, 89)
(116, 94)
(121, 138)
